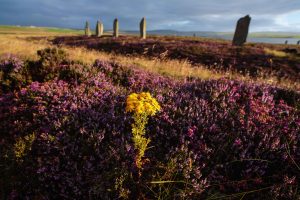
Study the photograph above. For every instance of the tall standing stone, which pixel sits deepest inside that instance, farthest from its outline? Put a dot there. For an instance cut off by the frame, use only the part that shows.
(143, 30)
(298, 42)
(241, 31)
(99, 29)
(87, 30)
(286, 42)
(116, 28)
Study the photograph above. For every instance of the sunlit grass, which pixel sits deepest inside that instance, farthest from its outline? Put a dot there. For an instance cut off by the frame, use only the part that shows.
(25, 46)
(275, 52)
(20, 46)
(31, 30)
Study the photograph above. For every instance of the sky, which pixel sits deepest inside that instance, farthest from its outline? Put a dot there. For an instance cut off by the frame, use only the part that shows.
(180, 15)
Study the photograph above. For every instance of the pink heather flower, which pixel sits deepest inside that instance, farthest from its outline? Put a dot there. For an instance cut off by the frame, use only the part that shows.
(258, 180)
(23, 91)
(73, 106)
(34, 86)
(41, 170)
(191, 131)
(289, 181)
(61, 83)
(238, 142)
(213, 128)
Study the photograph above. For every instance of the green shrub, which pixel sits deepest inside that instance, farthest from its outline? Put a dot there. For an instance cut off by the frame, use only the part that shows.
(13, 74)
(71, 73)
(48, 66)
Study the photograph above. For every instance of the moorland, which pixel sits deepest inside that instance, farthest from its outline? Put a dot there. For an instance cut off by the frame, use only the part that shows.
(75, 119)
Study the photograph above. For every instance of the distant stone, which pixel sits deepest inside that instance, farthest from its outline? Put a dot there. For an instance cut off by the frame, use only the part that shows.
(116, 28)
(87, 30)
(99, 29)
(286, 42)
(298, 42)
(143, 28)
(241, 31)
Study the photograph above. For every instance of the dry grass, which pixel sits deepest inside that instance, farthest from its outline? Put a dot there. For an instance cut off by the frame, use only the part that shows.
(270, 80)
(275, 52)
(21, 45)
(173, 68)
(25, 47)
(18, 45)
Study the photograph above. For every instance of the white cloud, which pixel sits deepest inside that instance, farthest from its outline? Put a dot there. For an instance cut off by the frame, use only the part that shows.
(289, 21)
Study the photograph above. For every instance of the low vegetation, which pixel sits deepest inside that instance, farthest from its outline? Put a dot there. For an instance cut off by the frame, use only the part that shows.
(78, 123)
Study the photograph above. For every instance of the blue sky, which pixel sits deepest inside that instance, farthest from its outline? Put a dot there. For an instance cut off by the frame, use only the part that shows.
(187, 15)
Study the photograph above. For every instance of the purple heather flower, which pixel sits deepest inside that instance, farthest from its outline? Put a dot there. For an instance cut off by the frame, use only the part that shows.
(34, 86)
(289, 181)
(23, 91)
(238, 142)
(191, 131)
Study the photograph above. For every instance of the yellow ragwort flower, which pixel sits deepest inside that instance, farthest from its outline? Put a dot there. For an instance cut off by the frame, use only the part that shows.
(142, 103)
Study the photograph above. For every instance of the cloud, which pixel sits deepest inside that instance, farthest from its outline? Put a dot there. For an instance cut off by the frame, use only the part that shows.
(193, 15)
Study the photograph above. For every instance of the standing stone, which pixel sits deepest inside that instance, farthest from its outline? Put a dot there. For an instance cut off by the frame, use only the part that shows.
(99, 29)
(241, 31)
(286, 42)
(298, 42)
(143, 28)
(87, 30)
(116, 28)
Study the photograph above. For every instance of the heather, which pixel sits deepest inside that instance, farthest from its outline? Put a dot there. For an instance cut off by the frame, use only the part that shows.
(280, 61)
(65, 134)
(26, 46)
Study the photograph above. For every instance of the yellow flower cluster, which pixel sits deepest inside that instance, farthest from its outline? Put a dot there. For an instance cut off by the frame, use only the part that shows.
(142, 103)
(143, 106)
(23, 145)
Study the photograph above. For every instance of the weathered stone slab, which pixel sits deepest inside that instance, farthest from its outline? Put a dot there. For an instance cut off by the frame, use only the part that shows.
(143, 28)
(116, 28)
(241, 31)
(99, 29)
(87, 30)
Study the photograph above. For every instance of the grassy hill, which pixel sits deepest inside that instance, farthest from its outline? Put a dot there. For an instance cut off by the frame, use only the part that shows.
(37, 30)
